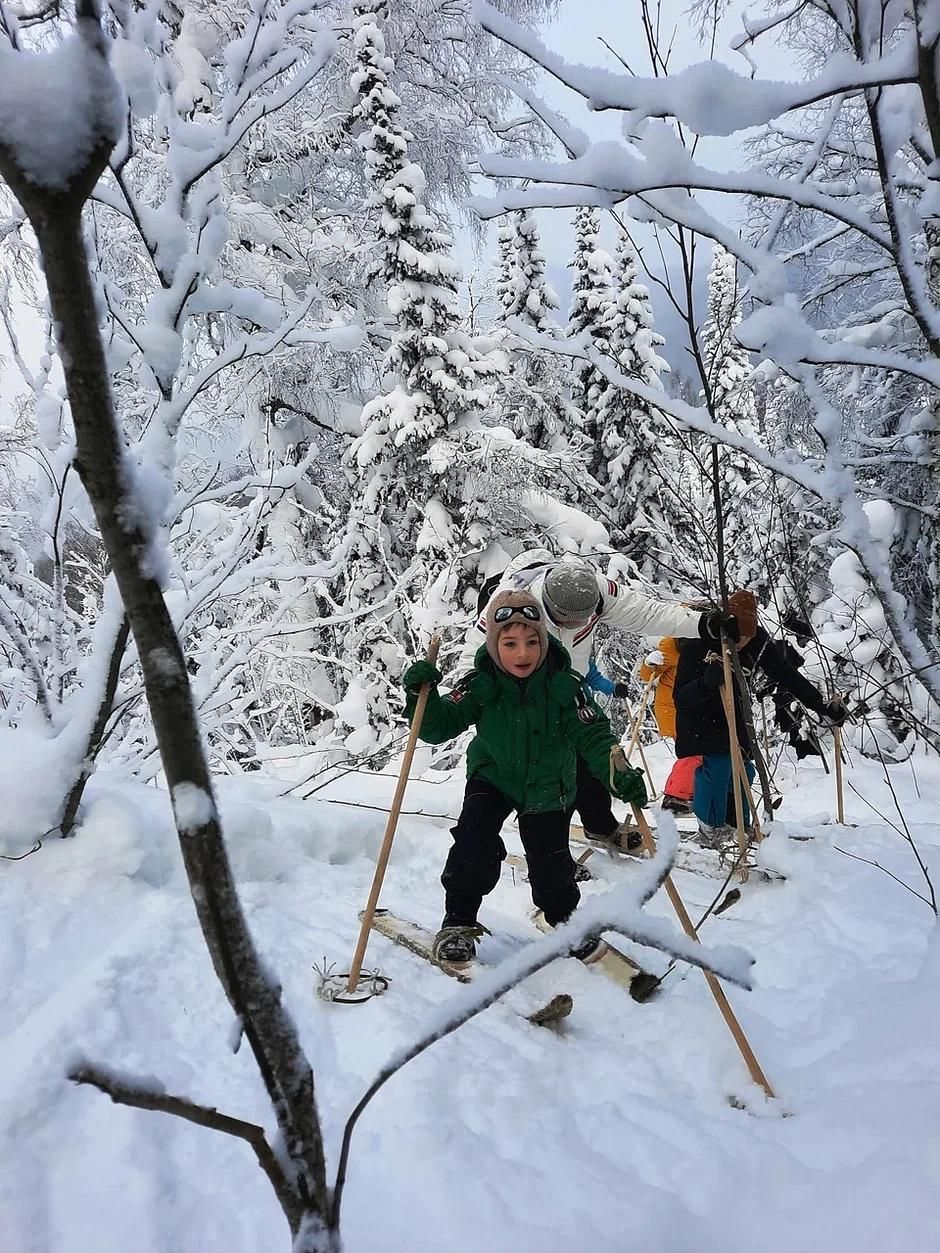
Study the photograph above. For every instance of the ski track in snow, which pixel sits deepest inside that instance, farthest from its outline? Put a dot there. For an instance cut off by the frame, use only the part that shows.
(613, 1134)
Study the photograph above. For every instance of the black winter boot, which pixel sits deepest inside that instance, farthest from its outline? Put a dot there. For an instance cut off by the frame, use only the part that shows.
(676, 805)
(592, 950)
(455, 945)
(625, 839)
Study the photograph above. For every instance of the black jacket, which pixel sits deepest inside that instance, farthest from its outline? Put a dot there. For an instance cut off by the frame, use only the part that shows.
(700, 716)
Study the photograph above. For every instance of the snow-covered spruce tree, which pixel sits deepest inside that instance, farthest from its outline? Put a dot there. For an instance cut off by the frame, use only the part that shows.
(853, 633)
(728, 372)
(532, 299)
(635, 456)
(794, 522)
(889, 429)
(410, 524)
(591, 296)
(507, 244)
(535, 387)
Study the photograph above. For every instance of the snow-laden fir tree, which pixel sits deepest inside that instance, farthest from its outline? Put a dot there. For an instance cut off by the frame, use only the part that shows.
(888, 429)
(792, 518)
(857, 642)
(410, 524)
(535, 387)
(634, 453)
(591, 295)
(507, 244)
(728, 370)
(531, 298)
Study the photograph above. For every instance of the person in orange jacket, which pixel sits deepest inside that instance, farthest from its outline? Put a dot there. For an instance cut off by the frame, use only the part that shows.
(661, 664)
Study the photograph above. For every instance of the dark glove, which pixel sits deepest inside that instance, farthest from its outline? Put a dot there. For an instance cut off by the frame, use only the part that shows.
(714, 621)
(714, 677)
(419, 673)
(625, 782)
(834, 711)
(621, 690)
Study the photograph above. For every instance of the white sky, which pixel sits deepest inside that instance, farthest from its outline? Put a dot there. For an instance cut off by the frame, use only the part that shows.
(576, 34)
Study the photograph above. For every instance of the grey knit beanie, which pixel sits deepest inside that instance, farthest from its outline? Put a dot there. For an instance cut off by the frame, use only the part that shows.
(514, 600)
(570, 592)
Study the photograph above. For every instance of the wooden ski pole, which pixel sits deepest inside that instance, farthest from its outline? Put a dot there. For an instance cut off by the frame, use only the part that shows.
(649, 774)
(734, 749)
(837, 753)
(385, 852)
(717, 991)
(737, 760)
(636, 726)
(751, 731)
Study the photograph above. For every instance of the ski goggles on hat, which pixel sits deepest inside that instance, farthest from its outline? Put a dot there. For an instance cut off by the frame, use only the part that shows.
(531, 613)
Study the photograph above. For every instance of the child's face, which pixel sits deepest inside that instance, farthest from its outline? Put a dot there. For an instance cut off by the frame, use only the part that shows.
(519, 649)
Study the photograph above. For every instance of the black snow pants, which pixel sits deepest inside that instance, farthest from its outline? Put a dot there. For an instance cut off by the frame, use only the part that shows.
(592, 802)
(472, 867)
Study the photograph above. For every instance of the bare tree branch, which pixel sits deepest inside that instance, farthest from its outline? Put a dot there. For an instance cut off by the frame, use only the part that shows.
(138, 1094)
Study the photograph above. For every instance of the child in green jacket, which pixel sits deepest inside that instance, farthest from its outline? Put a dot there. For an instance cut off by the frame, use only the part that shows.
(532, 720)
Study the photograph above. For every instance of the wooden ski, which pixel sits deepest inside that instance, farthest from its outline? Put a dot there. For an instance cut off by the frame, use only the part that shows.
(515, 862)
(691, 858)
(418, 940)
(616, 965)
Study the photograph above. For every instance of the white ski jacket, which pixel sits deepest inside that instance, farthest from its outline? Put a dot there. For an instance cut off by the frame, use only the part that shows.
(618, 606)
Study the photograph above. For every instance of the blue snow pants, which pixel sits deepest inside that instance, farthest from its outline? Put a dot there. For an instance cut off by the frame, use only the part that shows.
(713, 798)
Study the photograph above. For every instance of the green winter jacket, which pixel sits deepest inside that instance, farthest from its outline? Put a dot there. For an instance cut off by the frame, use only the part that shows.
(529, 731)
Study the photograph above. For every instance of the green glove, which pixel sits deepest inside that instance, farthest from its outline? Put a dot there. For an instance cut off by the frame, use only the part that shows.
(419, 673)
(626, 783)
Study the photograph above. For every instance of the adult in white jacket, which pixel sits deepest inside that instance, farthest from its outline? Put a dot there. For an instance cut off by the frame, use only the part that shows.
(576, 600)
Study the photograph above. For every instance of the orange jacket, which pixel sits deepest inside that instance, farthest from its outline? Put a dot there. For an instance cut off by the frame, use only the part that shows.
(664, 709)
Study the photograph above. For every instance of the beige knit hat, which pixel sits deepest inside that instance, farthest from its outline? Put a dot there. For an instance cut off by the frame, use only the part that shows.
(526, 609)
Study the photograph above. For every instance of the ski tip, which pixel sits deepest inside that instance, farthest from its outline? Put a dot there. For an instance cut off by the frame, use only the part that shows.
(731, 898)
(558, 1007)
(644, 986)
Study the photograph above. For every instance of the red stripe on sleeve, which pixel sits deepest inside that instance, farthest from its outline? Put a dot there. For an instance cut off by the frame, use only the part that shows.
(585, 630)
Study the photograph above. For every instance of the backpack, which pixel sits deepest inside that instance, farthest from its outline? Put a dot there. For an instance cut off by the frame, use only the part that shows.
(490, 585)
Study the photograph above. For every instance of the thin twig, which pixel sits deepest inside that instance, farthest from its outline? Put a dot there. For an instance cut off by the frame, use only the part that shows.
(885, 870)
(907, 830)
(19, 856)
(875, 810)
(122, 1092)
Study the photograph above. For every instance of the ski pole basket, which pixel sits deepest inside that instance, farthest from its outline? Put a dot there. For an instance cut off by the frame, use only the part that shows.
(333, 985)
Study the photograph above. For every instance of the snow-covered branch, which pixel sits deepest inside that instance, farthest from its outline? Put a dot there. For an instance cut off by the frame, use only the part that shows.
(708, 98)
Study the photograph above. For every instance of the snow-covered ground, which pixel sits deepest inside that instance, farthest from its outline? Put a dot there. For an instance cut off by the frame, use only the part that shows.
(614, 1134)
